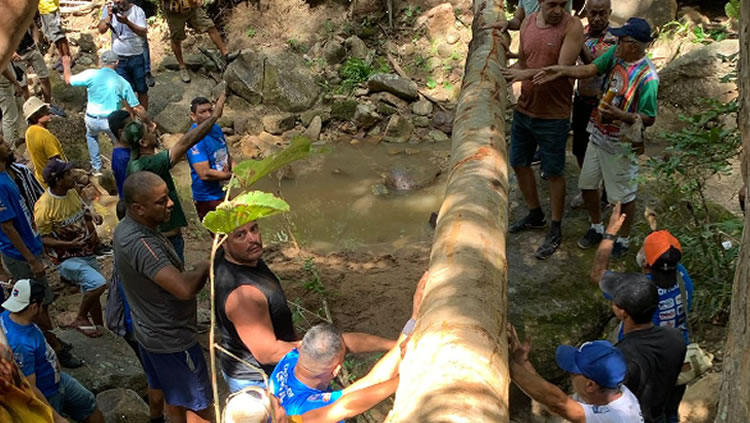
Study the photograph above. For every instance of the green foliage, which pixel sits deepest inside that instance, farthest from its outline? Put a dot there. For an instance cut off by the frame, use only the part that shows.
(702, 36)
(356, 71)
(296, 46)
(249, 172)
(431, 84)
(697, 153)
(242, 210)
(314, 284)
(732, 9)
(251, 32)
(421, 63)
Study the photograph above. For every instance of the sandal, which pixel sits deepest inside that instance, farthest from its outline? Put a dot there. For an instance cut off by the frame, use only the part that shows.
(91, 331)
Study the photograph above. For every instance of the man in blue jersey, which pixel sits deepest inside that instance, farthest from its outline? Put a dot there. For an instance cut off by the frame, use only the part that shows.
(37, 359)
(210, 164)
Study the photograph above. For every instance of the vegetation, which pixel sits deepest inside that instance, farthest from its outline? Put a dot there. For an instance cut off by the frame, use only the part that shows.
(698, 153)
(732, 9)
(356, 71)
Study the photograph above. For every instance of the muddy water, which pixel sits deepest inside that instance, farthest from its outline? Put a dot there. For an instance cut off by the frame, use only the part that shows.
(333, 206)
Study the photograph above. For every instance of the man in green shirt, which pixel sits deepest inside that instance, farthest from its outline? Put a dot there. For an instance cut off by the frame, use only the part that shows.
(143, 143)
(629, 105)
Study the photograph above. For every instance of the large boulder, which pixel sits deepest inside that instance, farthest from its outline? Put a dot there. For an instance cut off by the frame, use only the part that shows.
(398, 130)
(109, 362)
(244, 76)
(175, 118)
(288, 83)
(439, 20)
(409, 175)
(121, 405)
(395, 84)
(656, 12)
(701, 400)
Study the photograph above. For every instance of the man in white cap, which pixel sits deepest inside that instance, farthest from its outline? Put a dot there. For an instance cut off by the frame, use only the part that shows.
(37, 359)
(107, 91)
(42, 144)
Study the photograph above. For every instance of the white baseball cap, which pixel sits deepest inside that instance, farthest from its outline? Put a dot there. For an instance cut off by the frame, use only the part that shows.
(20, 296)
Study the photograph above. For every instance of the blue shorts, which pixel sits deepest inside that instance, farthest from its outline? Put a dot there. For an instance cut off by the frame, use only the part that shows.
(84, 271)
(183, 376)
(72, 399)
(550, 135)
(236, 385)
(133, 69)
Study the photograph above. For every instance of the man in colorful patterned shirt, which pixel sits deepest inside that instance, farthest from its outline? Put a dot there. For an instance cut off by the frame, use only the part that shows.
(634, 83)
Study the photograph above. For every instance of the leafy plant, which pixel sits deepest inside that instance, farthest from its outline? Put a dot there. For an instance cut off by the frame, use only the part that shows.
(314, 284)
(242, 210)
(251, 32)
(356, 71)
(698, 152)
(296, 46)
(702, 36)
(732, 9)
(431, 84)
(249, 172)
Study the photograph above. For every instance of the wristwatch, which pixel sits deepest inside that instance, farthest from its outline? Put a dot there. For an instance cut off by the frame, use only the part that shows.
(608, 236)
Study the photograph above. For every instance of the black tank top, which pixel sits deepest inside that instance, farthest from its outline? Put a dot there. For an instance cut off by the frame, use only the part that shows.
(230, 276)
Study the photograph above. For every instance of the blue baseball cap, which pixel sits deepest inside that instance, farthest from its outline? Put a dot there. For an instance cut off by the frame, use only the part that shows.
(599, 361)
(635, 27)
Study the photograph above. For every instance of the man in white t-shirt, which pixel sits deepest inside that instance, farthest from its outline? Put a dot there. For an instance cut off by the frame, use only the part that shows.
(597, 371)
(127, 22)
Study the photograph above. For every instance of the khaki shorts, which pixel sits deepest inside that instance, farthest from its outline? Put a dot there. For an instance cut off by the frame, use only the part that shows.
(195, 17)
(619, 171)
(52, 27)
(34, 59)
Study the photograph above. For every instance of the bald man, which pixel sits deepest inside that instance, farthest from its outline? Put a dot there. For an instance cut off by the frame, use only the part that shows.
(161, 295)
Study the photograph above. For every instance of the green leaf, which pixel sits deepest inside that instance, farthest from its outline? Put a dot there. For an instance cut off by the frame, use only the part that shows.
(249, 172)
(242, 210)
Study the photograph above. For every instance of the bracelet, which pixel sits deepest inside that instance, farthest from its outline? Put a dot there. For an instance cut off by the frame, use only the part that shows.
(608, 236)
(409, 327)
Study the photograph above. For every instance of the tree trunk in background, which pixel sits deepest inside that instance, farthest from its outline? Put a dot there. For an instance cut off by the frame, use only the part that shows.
(456, 369)
(734, 398)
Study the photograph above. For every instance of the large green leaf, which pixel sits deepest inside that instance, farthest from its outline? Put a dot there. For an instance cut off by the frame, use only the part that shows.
(249, 172)
(247, 207)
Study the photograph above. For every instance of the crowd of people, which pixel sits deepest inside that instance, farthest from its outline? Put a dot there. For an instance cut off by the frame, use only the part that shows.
(151, 299)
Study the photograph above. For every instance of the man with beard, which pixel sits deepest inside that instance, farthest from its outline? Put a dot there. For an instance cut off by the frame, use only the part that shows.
(542, 116)
(253, 317)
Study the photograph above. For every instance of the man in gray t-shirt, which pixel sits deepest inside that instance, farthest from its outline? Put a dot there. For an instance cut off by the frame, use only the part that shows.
(161, 295)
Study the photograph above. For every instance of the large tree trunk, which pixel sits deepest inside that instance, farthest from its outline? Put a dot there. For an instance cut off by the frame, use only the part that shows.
(456, 369)
(734, 398)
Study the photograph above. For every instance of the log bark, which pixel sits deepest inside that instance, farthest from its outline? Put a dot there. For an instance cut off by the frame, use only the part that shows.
(734, 396)
(455, 368)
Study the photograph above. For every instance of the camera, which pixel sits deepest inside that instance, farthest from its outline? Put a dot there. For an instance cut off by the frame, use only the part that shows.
(117, 9)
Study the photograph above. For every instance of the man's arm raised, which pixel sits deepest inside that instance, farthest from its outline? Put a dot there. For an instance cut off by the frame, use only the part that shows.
(603, 252)
(192, 137)
(247, 308)
(352, 404)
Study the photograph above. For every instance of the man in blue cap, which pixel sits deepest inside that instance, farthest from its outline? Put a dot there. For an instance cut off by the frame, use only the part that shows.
(616, 126)
(597, 372)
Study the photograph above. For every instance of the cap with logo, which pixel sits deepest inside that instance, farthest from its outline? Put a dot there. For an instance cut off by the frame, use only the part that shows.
(24, 292)
(54, 169)
(663, 253)
(636, 28)
(599, 361)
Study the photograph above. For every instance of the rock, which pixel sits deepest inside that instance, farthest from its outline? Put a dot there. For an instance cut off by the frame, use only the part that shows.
(374, 132)
(421, 121)
(365, 116)
(244, 76)
(259, 146)
(444, 50)
(71, 98)
(701, 400)
(85, 43)
(344, 109)
(380, 190)
(313, 131)
(307, 116)
(390, 99)
(409, 175)
(438, 136)
(394, 84)
(452, 38)
(398, 130)
(357, 48)
(122, 406)
(443, 120)
(248, 124)
(334, 51)
(385, 109)
(361, 92)
(194, 62)
(438, 20)
(109, 362)
(422, 108)
(277, 124)
(86, 60)
(406, 49)
(226, 122)
(656, 12)
(288, 83)
(175, 118)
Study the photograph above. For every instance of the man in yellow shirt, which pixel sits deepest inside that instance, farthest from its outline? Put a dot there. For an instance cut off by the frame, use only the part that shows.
(40, 142)
(49, 10)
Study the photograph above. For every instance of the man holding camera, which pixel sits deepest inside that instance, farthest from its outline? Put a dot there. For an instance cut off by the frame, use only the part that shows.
(128, 25)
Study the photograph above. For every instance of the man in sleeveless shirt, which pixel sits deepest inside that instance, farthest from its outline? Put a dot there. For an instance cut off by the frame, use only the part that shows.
(633, 82)
(253, 317)
(542, 116)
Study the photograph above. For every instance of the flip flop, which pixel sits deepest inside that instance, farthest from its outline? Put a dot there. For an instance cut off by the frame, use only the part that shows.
(91, 331)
